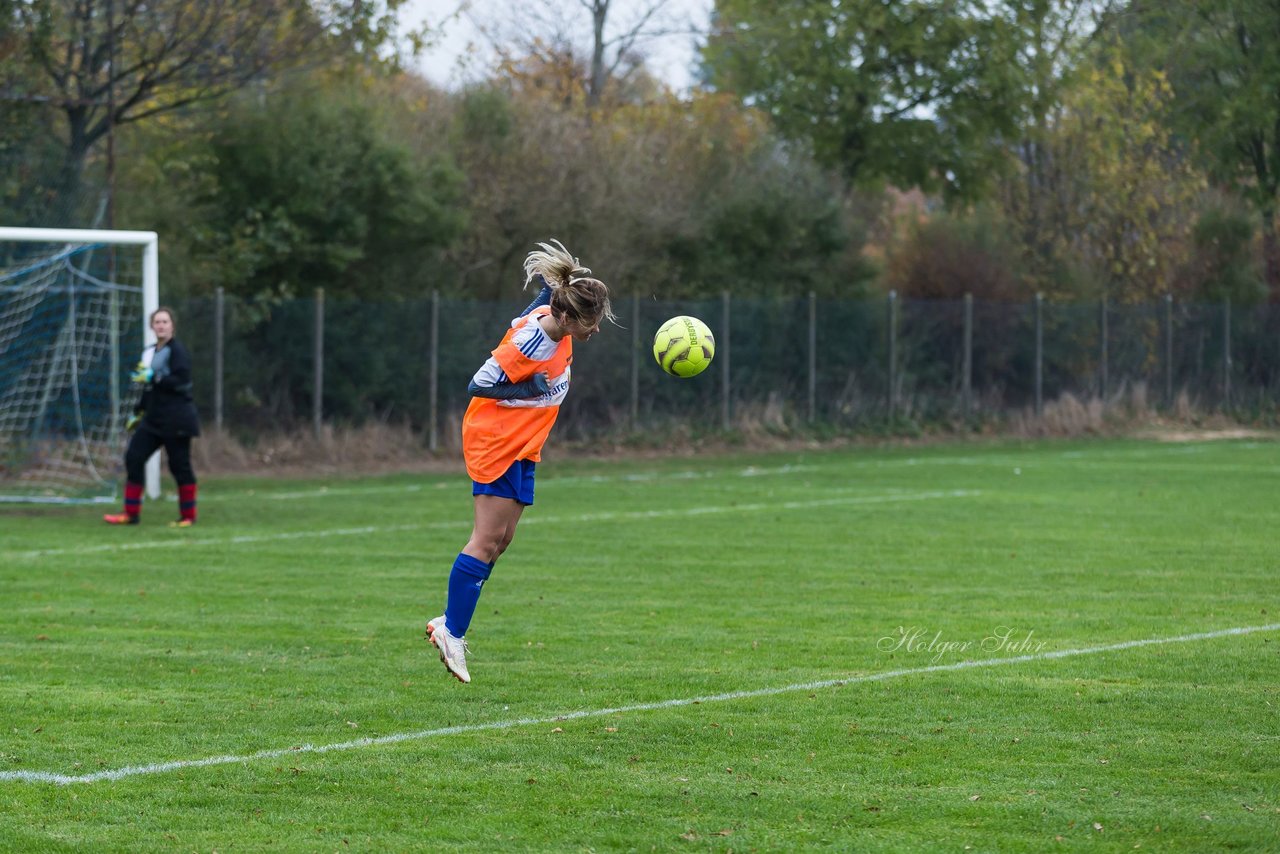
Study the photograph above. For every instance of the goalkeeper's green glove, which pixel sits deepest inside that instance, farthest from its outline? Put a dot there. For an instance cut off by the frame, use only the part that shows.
(134, 420)
(141, 375)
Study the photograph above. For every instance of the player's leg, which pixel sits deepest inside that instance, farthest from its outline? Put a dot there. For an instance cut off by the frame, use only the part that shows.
(142, 444)
(498, 506)
(494, 516)
(495, 522)
(494, 528)
(521, 477)
(178, 450)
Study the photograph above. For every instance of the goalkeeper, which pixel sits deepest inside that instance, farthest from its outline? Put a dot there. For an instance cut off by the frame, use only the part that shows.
(516, 396)
(165, 416)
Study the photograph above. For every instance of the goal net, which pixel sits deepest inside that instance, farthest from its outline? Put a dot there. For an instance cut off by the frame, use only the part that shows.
(72, 325)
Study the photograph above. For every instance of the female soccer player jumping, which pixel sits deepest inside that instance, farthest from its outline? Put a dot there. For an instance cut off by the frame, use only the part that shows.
(516, 396)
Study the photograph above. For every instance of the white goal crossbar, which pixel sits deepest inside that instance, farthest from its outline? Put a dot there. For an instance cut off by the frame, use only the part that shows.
(150, 243)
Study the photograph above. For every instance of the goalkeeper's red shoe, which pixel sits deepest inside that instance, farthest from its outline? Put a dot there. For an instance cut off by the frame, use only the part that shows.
(120, 519)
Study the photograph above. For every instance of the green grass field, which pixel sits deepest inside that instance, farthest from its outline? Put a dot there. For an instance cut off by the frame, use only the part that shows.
(816, 602)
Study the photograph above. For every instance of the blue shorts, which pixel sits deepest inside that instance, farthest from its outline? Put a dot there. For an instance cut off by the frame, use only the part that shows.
(516, 483)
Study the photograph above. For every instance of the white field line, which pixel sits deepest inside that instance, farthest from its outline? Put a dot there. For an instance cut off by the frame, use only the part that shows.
(180, 542)
(181, 764)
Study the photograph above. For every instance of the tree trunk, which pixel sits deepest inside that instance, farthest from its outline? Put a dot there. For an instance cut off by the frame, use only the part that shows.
(66, 208)
(595, 87)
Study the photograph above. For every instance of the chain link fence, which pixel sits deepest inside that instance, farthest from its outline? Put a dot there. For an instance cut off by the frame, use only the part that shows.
(850, 365)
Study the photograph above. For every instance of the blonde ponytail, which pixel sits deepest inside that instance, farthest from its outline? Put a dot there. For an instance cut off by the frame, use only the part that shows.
(554, 263)
(573, 292)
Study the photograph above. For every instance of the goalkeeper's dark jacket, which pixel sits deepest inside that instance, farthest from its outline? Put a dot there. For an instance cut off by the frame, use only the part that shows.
(167, 403)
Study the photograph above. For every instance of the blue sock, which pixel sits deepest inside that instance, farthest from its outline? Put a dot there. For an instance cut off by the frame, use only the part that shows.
(465, 582)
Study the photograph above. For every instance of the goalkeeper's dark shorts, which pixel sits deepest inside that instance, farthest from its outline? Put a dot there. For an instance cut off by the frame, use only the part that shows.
(516, 483)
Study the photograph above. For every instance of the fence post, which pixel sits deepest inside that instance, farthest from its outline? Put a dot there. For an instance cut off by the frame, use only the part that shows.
(1168, 350)
(317, 392)
(893, 352)
(813, 356)
(433, 380)
(1102, 379)
(113, 337)
(635, 362)
(966, 380)
(724, 365)
(1226, 353)
(219, 353)
(1039, 355)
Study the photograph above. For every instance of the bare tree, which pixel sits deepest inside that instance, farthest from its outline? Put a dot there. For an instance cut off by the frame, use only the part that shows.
(605, 39)
(105, 63)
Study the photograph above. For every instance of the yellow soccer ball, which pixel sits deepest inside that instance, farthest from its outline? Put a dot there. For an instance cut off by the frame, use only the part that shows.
(684, 346)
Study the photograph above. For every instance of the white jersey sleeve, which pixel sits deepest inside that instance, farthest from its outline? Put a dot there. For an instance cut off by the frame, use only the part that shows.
(531, 340)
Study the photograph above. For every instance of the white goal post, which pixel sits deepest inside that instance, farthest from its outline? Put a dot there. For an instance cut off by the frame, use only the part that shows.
(150, 287)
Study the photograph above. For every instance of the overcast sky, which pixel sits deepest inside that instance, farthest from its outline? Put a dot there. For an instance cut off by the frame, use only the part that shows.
(461, 54)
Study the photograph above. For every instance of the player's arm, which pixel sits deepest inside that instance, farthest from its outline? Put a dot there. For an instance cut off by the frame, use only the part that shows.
(543, 297)
(178, 379)
(142, 374)
(142, 377)
(492, 382)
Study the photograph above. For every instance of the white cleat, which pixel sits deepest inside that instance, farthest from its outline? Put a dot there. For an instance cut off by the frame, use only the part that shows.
(453, 651)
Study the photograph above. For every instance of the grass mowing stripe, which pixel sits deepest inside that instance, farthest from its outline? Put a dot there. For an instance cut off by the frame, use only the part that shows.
(638, 477)
(995, 460)
(162, 767)
(185, 542)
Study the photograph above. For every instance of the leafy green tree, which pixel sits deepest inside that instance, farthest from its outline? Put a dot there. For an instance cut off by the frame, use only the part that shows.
(1140, 189)
(1222, 264)
(915, 93)
(1222, 58)
(949, 255)
(28, 148)
(309, 187)
(779, 226)
(669, 197)
(1105, 193)
(1040, 192)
